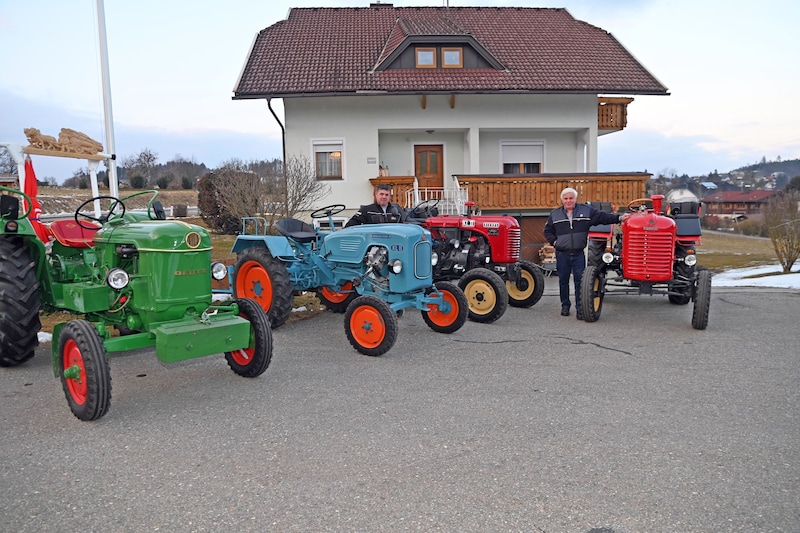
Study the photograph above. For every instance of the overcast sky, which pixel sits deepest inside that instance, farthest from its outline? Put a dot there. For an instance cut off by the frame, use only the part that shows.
(730, 67)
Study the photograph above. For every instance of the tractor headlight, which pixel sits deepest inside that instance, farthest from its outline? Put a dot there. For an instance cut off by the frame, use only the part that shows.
(396, 266)
(608, 258)
(690, 260)
(117, 279)
(219, 271)
(434, 259)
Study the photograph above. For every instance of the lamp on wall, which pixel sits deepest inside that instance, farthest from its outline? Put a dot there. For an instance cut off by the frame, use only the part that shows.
(429, 131)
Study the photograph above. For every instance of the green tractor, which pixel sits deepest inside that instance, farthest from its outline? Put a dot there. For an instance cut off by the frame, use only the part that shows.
(132, 279)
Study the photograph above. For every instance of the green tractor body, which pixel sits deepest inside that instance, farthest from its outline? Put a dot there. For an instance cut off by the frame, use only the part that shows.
(147, 278)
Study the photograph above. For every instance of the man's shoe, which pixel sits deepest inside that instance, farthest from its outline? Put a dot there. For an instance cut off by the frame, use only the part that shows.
(565, 311)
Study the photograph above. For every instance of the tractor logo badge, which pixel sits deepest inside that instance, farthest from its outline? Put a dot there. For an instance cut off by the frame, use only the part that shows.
(488, 225)
(468, 223)
(396, 247)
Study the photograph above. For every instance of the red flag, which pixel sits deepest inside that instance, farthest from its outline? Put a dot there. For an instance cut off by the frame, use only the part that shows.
(32, 189)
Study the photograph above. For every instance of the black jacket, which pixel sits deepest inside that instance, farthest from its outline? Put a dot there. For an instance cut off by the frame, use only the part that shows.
(571, 236)
(373, 214)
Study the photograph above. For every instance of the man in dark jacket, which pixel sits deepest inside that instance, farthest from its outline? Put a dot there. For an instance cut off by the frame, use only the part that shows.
(380, 212)
(567, 229)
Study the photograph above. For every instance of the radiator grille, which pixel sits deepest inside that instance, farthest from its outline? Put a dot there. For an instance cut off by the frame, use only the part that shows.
(648, 255)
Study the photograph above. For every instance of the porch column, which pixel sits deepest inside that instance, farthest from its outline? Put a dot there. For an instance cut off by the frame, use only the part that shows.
(473, 163)
(591, 149)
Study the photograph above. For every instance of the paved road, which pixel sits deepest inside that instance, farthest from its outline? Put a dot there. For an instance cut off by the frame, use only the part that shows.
(535, 423)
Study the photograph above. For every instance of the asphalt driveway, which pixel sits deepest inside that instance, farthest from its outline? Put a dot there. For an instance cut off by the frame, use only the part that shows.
(534, 423)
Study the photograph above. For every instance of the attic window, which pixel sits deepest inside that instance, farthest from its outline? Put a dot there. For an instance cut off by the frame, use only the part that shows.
(426, 57)
(452, 58)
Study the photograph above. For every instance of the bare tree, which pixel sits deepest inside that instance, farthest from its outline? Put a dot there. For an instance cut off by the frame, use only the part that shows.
(242, 192)
(143, 164)
(783, 225)
(303, 190)
(7, 163)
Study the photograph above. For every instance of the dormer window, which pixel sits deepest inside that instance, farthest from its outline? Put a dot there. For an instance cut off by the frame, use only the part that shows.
(426, 57)
(452, 58)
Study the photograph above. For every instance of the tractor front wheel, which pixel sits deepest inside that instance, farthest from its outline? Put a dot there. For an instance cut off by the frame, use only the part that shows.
(486, 294)
(253, 360)
(85, 375)
(702, 299)
(528, 289)
(262, 278)
(337, 301)
(593, 290)
(370, 325)
(453, 315)
(19, 303)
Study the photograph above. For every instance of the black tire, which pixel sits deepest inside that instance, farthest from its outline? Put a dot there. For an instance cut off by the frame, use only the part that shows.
(702, 299)
(530, 289)
(253, 361)
(19, 303)
(262, 278)
(370, 325)
(593, 290)
(336, 301)
(594, 253)
(455, 317)
(487, 297)
(81, 350)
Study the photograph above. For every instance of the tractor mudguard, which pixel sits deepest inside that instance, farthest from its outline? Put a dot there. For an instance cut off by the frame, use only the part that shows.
(278, 246)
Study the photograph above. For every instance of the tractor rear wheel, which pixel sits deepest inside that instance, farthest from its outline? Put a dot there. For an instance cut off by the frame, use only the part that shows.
(593, 290)
(262, 278)
(19, 303)
(254, 360)
(702, 299)
(486, 294)
(527, 290)
(451, 317)
(337, 301)
(370, 325)
(85, 375)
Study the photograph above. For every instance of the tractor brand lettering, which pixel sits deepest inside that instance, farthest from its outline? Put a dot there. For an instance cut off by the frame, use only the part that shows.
(396, 247)
(189, 272)
(379, 236)
(468, 223)
(651, 228)
(491, 225)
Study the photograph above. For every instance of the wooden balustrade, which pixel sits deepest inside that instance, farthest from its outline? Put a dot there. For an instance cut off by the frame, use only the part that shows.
(524, 192)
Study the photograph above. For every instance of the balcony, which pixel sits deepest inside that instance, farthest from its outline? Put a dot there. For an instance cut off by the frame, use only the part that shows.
(531, 192)
(612, 114)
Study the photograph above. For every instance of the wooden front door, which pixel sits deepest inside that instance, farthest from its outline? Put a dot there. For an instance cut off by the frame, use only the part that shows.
(428, 166)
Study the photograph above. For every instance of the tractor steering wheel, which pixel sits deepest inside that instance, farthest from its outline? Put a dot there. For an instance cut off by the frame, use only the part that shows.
(330, 210)
(639, 203)
(116, 205)
(425, 206)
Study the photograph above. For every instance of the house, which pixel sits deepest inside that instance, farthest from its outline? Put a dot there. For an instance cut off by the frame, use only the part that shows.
(733, 204)
(510, 101)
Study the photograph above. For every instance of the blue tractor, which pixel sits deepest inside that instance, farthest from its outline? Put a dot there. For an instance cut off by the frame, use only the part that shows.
(372, 273)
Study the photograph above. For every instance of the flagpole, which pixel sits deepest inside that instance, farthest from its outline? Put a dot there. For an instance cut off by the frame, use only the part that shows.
(111, 164)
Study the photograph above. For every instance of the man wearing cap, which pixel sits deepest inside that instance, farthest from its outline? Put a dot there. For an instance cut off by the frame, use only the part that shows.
(567, 230)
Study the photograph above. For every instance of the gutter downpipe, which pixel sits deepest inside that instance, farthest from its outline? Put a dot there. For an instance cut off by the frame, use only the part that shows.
(283, 165)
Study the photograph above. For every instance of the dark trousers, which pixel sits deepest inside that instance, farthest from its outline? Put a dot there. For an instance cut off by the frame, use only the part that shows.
(566, 265)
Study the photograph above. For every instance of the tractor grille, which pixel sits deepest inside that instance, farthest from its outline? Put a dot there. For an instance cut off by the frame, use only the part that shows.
(648, 256)
(514, 244)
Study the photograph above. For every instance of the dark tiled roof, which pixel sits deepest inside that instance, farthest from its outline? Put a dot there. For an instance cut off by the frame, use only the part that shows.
(739, 197)
(323, 51)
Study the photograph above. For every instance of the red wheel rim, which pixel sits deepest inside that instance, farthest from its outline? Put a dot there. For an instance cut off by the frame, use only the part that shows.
(335, 296)
(244, 356)
(77, 386)
(444, 319)
(367, 326)
(252, 281)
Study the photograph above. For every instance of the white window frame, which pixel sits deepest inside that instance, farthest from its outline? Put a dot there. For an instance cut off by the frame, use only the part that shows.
(510, 150)
(320, 146)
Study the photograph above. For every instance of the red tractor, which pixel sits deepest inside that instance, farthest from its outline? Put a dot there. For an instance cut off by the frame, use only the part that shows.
(482, 253)
(654, 253)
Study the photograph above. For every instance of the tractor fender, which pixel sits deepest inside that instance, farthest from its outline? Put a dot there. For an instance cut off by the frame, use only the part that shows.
(279, 247)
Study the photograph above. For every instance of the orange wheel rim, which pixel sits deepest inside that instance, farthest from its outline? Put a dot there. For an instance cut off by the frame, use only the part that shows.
(253, 282)
(367, 326)
(335, 296)
(77, 387)
(440, 318)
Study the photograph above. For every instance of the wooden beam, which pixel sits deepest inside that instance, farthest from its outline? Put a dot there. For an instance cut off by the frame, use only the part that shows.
(452, 101)
(75, 155)
(424, 101)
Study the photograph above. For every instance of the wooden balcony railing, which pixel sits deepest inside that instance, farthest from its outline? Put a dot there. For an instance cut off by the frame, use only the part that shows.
(526, 192)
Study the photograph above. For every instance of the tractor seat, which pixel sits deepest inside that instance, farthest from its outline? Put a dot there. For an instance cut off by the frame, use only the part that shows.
(69, 233)
(296, 229)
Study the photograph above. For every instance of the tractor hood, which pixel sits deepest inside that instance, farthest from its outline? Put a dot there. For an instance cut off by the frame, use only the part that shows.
(156, 235)
(349, 245)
